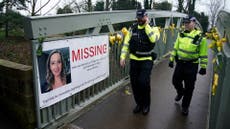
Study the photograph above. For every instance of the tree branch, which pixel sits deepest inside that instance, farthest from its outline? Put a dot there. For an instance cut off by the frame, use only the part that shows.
(42, 7)
(52, 7)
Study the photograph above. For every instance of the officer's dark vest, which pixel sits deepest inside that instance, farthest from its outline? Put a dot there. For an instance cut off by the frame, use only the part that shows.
(140, 42)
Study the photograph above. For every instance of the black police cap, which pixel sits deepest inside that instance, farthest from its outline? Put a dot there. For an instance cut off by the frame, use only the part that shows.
(189, 19)
(141, 13)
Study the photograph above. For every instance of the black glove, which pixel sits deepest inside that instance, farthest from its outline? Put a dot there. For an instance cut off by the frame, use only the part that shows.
(154, 56)
(171, 64)
(202, 71)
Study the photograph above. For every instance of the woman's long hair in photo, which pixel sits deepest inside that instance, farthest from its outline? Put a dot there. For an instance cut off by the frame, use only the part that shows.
(49, 74)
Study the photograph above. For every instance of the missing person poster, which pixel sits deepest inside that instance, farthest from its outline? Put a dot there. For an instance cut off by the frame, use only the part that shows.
(68, 66)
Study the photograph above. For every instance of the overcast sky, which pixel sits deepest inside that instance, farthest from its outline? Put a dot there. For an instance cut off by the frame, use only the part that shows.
(201, 5)
(63, 2)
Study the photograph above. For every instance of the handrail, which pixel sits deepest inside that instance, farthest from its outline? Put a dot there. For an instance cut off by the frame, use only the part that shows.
(37, 26)
(219, 103)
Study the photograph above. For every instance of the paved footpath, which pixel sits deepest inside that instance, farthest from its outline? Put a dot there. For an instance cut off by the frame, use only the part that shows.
(115, 112)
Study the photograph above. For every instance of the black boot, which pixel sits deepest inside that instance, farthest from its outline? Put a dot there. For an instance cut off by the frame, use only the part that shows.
(137, 109)
(184, 111)
(178, 97)
(145, 110)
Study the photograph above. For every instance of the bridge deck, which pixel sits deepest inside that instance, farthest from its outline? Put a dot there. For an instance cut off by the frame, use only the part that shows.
(115, 112)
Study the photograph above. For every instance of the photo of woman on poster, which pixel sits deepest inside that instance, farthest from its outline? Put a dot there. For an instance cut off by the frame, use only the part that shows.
(65, 67)
(55, 72)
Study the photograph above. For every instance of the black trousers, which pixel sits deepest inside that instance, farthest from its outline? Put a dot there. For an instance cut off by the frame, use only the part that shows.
(185, 72)
(140, 72)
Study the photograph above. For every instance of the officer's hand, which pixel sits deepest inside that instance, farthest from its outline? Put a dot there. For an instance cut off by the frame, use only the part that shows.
(171, 64)
(122, 62)
(202, 71)
(146, 20)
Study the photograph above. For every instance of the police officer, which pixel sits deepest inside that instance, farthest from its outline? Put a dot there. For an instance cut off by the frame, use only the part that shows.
(190, 50)
(139, 43)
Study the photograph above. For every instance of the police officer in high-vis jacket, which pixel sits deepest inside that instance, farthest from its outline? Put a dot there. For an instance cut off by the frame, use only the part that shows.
(190, 50)
(139, 43)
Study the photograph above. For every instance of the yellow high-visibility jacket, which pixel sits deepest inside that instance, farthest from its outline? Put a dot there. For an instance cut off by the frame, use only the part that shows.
(191, 46)
(151, 32)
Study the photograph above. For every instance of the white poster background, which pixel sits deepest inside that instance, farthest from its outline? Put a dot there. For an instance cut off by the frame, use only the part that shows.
(85, 72)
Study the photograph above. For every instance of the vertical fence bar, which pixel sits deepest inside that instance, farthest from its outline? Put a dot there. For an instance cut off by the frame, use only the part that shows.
(35, 70)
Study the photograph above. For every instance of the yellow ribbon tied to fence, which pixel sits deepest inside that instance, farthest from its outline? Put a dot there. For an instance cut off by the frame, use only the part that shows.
(215, 83)
(115, 38)
(124, 31)
(172, 27)
(118, 38)
(160, 29)
(217, 42)
(214, 60)
(164, 37)
(127, 90)
(112, 39)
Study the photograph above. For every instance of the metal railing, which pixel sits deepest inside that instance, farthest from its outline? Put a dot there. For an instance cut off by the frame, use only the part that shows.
(69, 109)
(219, 113)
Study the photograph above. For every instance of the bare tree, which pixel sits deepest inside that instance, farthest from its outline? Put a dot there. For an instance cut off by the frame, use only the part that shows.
(108, 4)
(89, 6)
(33, 4)
(84, 5)
(77, 6)
(8, 5)
(33, 9)
(214, 7)
(55, 5)
(180, 6)
(189, 6)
